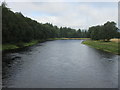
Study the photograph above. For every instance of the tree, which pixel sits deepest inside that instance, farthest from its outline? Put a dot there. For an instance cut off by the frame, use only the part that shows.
(95, 33)
(110, 30)
(79, 33)
(104, 32)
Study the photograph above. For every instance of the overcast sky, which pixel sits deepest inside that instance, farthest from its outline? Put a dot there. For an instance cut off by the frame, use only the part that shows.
(70, 14)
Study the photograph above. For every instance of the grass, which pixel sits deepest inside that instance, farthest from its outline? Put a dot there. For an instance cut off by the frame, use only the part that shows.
(115, 40)
(31, 43)
(18, 45)
(111, 46)
(9, 46)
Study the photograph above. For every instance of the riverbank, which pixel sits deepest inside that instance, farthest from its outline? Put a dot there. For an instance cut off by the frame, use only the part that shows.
(7, 47)
(111, 46)
(68, 38)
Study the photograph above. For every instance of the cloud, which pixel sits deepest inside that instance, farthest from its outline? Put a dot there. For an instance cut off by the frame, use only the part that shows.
(71, 14)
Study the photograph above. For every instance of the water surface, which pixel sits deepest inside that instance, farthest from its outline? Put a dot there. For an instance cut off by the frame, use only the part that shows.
(61, 64)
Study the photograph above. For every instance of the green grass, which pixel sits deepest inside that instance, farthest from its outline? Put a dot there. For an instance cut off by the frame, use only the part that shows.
(18, 45)
(105, 46)
(31, 43)
(9, 46)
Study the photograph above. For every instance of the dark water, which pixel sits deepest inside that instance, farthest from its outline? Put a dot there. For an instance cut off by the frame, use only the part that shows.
(61, 64)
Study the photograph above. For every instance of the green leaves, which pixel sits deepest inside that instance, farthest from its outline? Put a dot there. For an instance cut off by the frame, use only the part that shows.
(103, 32)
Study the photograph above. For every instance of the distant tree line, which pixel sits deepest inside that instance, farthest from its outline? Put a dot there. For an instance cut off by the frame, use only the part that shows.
(18, 28)
(104, 32)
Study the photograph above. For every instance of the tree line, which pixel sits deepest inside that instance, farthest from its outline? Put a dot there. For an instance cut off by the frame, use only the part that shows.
(18, 28)
(104, 32)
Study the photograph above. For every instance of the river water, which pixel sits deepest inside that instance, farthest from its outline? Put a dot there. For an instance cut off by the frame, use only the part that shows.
(60, 64)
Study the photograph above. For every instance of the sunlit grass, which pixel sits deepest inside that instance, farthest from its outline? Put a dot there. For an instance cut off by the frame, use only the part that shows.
(105, 46)
(115, 40)
(67, 38)
(75, 38)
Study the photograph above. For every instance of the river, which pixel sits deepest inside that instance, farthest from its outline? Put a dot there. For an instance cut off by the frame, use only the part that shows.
(60, 64)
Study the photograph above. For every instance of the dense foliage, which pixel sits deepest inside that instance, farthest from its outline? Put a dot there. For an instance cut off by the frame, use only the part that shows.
(18, 28)
(104, 32)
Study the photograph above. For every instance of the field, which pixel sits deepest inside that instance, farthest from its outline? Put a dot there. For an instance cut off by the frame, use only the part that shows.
(115, 40)
(111, 46)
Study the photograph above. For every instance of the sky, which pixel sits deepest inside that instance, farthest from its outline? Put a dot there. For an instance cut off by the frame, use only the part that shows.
(70, 14)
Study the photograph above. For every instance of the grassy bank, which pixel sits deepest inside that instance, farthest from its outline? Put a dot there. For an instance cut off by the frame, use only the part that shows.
(6, 47)
(105, 46)
(18, 45)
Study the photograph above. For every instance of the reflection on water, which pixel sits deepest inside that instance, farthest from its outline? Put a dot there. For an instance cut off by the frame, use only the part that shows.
(61, 64)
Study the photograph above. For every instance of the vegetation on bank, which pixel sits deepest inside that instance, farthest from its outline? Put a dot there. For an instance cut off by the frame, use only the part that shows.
(6, 47)
(18, 45)
(111, 46)
(68, 38)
